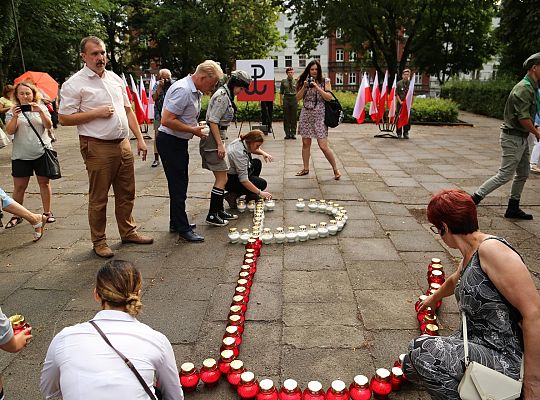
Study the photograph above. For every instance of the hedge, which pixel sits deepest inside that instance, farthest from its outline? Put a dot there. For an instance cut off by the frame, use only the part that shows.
(424, 110)
(480, 97)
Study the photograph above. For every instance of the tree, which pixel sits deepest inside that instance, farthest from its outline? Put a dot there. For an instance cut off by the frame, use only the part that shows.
(390, 31)
(518, 34)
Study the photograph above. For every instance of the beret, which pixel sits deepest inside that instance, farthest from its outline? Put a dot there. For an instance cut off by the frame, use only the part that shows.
(532, 60)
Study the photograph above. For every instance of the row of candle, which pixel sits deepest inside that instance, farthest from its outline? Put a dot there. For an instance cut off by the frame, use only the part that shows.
(251, 205)
(427, 317)
(322, 206)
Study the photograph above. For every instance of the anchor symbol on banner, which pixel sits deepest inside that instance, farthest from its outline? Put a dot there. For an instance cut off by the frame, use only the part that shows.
(256, 76)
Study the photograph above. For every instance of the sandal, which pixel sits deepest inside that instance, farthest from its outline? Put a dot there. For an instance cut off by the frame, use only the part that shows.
(337, 174)
(39, 228)
(14, 221)
(50, 217)
(302, 172)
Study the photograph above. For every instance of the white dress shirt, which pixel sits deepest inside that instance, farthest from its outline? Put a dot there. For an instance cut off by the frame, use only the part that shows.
(80, 366)
(86, 91)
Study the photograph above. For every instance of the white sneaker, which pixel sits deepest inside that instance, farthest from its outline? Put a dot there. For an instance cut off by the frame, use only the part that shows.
(535, 169)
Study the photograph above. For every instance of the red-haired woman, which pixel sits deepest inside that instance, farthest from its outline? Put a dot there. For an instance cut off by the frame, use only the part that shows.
(494, 290)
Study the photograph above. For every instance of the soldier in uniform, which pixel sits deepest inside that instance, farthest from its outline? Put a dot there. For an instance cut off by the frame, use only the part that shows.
(289, 104)
(220, 113)
(402, 88)
(519, 112)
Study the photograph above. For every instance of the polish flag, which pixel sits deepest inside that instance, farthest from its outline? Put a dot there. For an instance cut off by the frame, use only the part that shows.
(137, 100)
(150, 98)
(364, 97)
(127, 87)
(381, 104)
(406, 105)
(144, 99)
(376, 94)
(392, 102)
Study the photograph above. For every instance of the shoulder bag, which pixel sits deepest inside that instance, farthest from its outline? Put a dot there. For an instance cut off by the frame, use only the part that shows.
(126, 360)
(333, 112)
(482, 383)
(52, 165)
(4, 139)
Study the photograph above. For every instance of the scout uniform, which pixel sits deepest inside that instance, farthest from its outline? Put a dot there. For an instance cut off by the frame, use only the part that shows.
(290, 107)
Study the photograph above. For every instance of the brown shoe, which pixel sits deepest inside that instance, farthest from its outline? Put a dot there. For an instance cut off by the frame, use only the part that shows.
(137, 238)
(103, 250)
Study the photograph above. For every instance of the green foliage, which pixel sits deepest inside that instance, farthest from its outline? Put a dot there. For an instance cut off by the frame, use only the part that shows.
(424, 110)
(481, 97)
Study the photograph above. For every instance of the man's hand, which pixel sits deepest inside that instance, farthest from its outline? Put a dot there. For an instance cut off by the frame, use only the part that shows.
(104, 111)
(221, 151)
(141, 149)
(18, 342)
(265, 195)
(200, 131)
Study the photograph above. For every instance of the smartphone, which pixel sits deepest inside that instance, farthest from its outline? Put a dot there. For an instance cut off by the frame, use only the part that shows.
(25, 107)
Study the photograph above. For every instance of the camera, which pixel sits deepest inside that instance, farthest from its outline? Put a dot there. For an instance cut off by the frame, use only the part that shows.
(166, 84)
(25, 107)
(310, 81)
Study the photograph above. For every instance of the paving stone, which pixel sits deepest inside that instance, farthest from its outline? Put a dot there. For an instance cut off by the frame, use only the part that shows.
(368, 249)
(380, 274)
(313, 257)
(265, 303)
(174, 286)
(316, 286)
(301, 314)
(380, 310)
(420, 241)
(331, 336)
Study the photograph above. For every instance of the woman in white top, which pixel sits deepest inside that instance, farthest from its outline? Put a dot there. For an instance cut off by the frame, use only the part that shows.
(80, 365)
(27, 155)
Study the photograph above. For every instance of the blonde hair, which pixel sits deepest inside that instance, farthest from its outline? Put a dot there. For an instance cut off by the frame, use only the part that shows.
(209, 68)
(118, 284)
(254, 136)
(29, 85)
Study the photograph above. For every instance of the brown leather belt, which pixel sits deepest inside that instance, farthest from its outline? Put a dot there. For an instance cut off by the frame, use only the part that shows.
(93, 139)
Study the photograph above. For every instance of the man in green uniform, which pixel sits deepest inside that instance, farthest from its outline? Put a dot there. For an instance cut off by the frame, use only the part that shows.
(519, 111)
(289, 104)
(402, 88)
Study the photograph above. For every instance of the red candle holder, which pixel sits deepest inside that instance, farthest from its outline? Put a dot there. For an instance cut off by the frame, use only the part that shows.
(237, 369)
(245, 268)
(232, 331)
(244, 283)
(399, 361)
(359, 388)
(247, 277)
(396, 379)
(380, 384)
(248, 388)
(421, 298)
(250, 257)
(189, 377)
(434, 261)
(428, 319)
(290, 390)
(241, 291)
(252, 266)
(239, 301)
(237, 310)
(210, 373)
(431, 330)
(437, 267)
(267, 390)
(234, 320)
(19, 324)
(224, 363)
(229, 343)
(422, 314)
(337, 391)
(436, 276)
(314, 391)
(255, 245)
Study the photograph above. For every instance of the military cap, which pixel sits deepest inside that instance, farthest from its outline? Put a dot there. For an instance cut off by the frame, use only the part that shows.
(532, 60)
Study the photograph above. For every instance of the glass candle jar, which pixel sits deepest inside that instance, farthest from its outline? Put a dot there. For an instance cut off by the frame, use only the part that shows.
(236, 310)
(312, 205)
(237, 369)
(234, 320)
(322, 230)
(252, 266)
(332, 228)
(345, 216)
(251, 205)
(300, 205)
(431, 330)
(422, 314)
(241, 291)
(225, 359)
(290, 390)
(399, 361)
(245, 281)
(314, 391)
(279, 236)
(244, 236)
(291, 234)
(234, 235)
(19, 324)
(210, 373)
(321, 207)
(359, 389)
(267, 390)
(241, 206)
(267, 236)
(432, 262)
(249, 256)
(429, 318)
(189, 377)
(396, 378)
(436, 277)
(270, 204)
(438, 267)
(254, 245)
(313, 232)
(380, 384)
(232, 331)
(229, 343)
(420, 300)
(247, 276)
(337, 391)
(303, 234)
(248, 388)
(340, 224)
(329, 207)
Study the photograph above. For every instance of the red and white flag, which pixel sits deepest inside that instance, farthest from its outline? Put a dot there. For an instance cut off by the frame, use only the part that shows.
(364, 97)
(127, 87)
(150, 98)
(376, 94)
(392, 102)
(406, 105)
(144, 99)
(138, 105)
(381, 103)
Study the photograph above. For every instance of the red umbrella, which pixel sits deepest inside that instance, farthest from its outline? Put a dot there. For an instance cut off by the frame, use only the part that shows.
(42, 80)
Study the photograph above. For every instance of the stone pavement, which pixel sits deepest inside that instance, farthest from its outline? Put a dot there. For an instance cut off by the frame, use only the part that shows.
(324, 310)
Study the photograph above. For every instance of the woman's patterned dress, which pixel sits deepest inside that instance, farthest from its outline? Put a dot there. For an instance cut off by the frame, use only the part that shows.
(311, 123)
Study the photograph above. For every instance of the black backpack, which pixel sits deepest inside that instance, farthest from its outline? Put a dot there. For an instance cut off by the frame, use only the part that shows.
(333, 112)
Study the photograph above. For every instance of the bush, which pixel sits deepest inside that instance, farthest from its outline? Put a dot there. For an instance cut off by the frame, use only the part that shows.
(424, 110)
(480, 97)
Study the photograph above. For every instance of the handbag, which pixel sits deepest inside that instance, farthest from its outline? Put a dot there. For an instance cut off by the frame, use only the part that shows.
(126, 360)
(333, 112)
(52, 165)
(4, 139)
(482, 383)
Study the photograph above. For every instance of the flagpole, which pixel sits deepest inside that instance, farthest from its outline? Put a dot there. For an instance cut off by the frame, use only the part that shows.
(18, 34)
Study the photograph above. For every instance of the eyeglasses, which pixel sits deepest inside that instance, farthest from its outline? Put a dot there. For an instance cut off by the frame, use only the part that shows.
(437, 231)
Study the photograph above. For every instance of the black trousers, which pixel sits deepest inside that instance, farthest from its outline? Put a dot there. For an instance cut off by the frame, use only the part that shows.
(267, 109)
(175, 159)
(235, 186)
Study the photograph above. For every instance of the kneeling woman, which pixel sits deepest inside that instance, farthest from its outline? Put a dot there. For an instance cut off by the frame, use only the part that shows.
(80, 364)
(243, 176)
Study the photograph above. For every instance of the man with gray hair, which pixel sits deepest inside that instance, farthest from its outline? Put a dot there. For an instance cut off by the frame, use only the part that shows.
(179, 123)
(158, 95)
(519, 112)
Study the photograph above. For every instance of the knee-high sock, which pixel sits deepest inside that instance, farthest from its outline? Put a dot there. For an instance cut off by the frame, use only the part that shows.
(216, 200)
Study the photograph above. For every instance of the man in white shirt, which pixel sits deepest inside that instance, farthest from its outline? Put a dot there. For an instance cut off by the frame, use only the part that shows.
(96, 101)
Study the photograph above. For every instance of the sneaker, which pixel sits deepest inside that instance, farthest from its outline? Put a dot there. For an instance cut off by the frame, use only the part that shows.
(535, 169)
(216, 220)
(226, 215)
(155, 163)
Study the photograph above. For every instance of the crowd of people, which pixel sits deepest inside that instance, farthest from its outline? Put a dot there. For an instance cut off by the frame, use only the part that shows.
(493, 287)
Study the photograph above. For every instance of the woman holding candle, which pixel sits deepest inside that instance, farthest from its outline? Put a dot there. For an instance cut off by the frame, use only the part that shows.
(495, 291)
(80, 364)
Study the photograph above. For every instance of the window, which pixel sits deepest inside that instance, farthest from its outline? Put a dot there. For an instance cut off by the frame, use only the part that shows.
(302, 60)
(352, 78)
(290, 33)
(338, 33)
(317, 57)
(339, 55)
(339, 79)
(352, 56)
(288, 61)
(276, 61)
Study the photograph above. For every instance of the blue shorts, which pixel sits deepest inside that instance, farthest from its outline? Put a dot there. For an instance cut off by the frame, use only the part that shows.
(6, 200)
